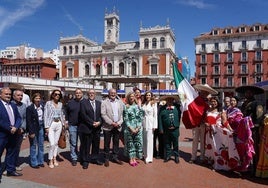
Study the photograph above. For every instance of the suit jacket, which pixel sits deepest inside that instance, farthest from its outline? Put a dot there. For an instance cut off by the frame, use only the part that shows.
(107, 114)
(5, 125)
(86, 115)
(32, 121)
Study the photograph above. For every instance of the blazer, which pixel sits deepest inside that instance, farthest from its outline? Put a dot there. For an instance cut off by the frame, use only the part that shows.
(107, 114)
(32, 121)
(4, 119)
(86, 115)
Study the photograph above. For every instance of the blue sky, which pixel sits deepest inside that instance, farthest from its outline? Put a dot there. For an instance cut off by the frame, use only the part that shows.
(40, 23)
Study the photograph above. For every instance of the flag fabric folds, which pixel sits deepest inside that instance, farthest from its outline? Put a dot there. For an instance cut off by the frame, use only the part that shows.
(192, 105)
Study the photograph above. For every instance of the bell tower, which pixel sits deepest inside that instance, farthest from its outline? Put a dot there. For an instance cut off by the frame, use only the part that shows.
(112, 26)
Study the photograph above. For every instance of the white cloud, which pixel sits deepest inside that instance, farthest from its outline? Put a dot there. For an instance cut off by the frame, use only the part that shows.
(200, 4)
(71, 19)
(18, 11)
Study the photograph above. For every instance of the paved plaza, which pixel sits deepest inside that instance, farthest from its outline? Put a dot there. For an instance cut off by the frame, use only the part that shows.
(156, 174)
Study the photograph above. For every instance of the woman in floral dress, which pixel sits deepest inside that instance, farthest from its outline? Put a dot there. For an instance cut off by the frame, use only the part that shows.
(133, 116)
(220, 150)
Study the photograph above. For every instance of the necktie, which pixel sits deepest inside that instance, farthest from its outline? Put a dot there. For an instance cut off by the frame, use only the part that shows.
(94, 108)
(10, 114)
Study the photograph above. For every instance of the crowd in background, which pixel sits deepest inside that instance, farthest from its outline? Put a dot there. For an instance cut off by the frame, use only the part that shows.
(231, 137)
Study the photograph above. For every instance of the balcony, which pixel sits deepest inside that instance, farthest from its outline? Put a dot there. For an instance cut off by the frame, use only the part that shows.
(216, 61)
(258, 46)
(257, 59)
(243, 60)
(229, 48)
(216, 73)
(243, 47)
(243, 72)
(216, 49)
(203, 50)
(229, 61)
(228, 73)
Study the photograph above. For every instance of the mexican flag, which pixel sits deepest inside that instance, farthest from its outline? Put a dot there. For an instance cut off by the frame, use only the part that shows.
(193, 106)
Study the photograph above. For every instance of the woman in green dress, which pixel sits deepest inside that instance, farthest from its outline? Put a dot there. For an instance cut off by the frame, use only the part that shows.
(133, 117)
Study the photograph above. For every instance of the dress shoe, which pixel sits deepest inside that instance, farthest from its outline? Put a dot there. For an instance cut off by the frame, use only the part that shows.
(118, 161)
(85, 165)
(74, 162)
(177, 160)
(41, 165)
(106, 164)
(14, 174)
(36, 167)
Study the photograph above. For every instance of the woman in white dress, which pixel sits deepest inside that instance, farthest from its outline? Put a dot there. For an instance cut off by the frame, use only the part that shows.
(149, 125)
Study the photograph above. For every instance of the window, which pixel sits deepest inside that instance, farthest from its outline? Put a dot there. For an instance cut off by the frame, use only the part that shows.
(76, 49)
(154, 69)
(203, 81)
(244, 80)
(86, 70)
(98, 69)
(121, 68)
(229, 81)
(244, 56)
(244, 69)
(242, 29)
(229, 69)
(244, 44)
(64, 50)
(203, 58)
(146, 43)
(203, 70)
(216, 82)
(258, 68)
(216, 46)
(32, 67)
(203, 47)
(215, 32)
(258, 79)
(257, 28)
(230, 45)
(228, 31)
(216, 69)
(154, 43)
(162, 42)
(70, 49)
(229, 57)
(70, 72)
(258, 56)
(258, 43)
(133, 68)
(109, 69)
(216, 58)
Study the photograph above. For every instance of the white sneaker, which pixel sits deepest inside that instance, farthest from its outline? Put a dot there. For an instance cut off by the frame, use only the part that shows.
(18, 168)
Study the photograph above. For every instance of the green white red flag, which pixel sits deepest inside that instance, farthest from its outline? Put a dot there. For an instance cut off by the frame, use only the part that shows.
(193, 106)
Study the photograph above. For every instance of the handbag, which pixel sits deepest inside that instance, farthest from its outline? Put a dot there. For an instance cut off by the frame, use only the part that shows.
(62, 139)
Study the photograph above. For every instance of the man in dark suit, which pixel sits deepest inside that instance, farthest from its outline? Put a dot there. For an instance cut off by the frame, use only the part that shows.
(89, 129)
(10, 122)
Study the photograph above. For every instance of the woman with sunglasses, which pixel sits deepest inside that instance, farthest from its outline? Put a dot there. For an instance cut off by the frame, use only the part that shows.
(54, 121)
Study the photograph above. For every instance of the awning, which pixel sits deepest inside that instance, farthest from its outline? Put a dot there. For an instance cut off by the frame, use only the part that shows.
(40, 88)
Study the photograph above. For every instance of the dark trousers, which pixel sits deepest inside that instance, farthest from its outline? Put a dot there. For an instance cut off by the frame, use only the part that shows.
(158, 148)
(18, 146)
(3, 144)
(171, 141)
(108, 135)
(85, 145)
(95, 143)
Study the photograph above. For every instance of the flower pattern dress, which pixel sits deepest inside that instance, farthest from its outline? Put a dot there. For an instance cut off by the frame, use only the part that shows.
(220, 150)
(133, 116)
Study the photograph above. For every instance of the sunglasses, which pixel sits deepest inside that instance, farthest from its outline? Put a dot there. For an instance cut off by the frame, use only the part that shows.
(56, 94)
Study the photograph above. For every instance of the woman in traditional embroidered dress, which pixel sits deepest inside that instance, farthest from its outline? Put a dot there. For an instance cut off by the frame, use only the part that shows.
(220, 150)
(262, 166)
(241, 127)
(133, 116)
(149, 125)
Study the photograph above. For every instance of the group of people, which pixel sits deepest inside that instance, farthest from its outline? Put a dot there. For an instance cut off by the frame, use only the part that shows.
(231, 137)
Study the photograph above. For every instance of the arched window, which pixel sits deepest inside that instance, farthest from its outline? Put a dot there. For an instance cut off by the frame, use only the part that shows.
(133, 68)
(86, 70)
(76, 49)
(70, 49)
(64, 50)
(154, 43)
(146, 43)
(109, 69)
(162, 42)
(121, 68)
(97, 69)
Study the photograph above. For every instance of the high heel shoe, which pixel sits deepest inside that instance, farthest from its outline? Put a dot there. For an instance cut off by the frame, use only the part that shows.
(132, 163)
